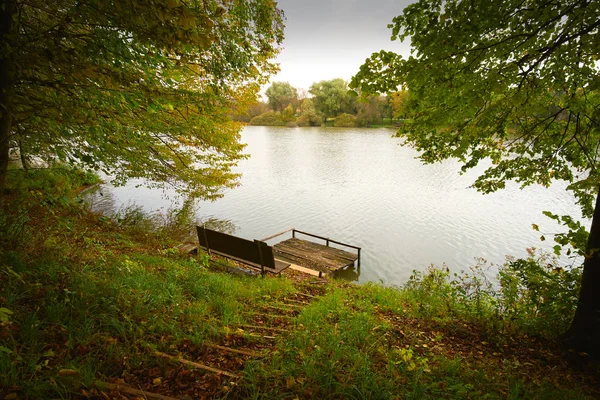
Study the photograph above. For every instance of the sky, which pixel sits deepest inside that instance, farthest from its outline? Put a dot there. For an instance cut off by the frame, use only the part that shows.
(327, 39)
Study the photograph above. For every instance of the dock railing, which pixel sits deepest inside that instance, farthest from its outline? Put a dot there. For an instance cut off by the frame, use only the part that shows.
(327, 240)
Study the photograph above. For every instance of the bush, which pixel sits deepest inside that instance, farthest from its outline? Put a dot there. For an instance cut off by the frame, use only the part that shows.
(303, 120)
(54, 183)
(345, 121)
(269, 118)
(538, 295)
(533, 295)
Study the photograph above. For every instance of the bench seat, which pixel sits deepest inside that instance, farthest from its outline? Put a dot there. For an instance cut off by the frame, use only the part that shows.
(279, 265)
(255, 254)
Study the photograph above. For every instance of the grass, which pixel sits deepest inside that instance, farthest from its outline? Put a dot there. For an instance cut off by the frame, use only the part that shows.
(87, 298)
(367, 342)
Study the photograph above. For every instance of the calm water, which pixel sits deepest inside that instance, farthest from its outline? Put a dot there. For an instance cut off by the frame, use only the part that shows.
(361, 187)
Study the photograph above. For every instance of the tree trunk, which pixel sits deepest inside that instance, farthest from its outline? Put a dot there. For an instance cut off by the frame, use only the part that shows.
(7, 9)
(584, 333)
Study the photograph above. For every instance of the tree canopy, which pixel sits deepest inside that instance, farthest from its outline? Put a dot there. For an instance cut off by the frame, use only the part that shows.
(137, 89)
(516, 82)
(331, 97)
(280, 95)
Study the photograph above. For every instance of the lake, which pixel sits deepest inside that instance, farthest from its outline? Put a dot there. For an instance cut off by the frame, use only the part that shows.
(360, 186)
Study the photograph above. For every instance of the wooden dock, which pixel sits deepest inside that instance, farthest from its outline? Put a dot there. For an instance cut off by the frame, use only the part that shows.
(315, 256)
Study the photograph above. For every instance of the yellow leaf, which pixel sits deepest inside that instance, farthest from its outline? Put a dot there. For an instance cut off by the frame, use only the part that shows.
(290, 382)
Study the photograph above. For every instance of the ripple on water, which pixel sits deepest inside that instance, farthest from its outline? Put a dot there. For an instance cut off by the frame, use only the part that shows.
(360, 186)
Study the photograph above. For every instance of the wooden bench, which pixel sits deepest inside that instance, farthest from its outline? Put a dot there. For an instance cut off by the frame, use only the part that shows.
(255, 254)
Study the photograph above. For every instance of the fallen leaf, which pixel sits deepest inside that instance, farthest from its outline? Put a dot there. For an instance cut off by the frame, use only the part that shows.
(68, 372)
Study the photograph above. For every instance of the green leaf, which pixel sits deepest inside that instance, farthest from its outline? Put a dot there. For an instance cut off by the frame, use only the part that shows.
(557, 250)
(49, 353)
(5, 314)
(142, 89)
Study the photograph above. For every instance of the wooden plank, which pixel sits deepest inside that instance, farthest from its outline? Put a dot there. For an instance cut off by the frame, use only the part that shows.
(297, 301)
(295, 259)
(310, 296)
(309, 271)
(329, 253)
(264, 328)
(281, 308)
(228, 244)
(238, 351)
(279, 265)
(314, 255)
(259, 314)
(129, 390)
(196, 365)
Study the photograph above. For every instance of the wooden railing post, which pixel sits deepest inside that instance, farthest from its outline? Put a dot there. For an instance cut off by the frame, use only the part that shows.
(206, 240)
(260, 255)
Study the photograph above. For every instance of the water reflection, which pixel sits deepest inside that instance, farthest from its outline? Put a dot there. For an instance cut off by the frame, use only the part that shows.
(220, 225)
(101, 199)
(360, 186)
(351, 273)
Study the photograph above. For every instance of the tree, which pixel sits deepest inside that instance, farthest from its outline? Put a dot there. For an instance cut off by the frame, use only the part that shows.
(280, 95)
(332, 97)
(307, 110)
(287, 114)
(514, 81)
(371, 110)
(398, 102)
(249, 111)
(138, 89)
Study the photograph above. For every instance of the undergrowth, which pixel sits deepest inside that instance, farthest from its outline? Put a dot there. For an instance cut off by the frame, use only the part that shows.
(85, 297)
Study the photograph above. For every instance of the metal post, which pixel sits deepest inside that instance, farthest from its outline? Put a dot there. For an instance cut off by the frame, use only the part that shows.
(327, 242)
(293, 233)
(359, 258)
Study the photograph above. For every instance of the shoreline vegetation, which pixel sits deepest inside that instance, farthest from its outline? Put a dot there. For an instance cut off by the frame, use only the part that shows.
(332, 103)
(94, 305)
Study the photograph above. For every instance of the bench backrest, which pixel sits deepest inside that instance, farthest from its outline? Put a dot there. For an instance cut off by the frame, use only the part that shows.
(236, 247)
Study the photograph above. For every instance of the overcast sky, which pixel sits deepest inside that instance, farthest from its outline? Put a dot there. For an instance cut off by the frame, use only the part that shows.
(326, 39)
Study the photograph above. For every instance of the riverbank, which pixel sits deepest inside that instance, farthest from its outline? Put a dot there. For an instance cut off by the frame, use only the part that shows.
(92, 305)
(344, 121)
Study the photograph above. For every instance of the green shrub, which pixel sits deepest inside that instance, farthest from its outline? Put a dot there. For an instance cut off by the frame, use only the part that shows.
(269, 118)
(54, 182)
(538, 295)
(345, 121)
(532, 295)
(303, 121)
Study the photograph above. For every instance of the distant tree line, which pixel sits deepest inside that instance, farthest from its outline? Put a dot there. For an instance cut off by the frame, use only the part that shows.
(327, 102)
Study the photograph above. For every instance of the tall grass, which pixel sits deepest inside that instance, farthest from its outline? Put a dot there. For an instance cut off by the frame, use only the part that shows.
(96, 295)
